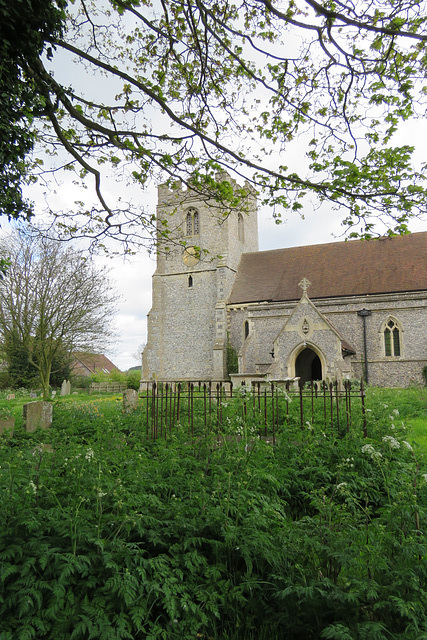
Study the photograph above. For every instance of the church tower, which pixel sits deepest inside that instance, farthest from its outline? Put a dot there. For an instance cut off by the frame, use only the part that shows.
(196, 266)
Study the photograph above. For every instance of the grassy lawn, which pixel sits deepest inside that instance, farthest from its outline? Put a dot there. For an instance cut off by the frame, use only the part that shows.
(410, 403)
(418, 430)
(412, 406)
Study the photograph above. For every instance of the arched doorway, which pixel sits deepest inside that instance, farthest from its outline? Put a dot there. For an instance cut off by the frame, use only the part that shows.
(308, 366)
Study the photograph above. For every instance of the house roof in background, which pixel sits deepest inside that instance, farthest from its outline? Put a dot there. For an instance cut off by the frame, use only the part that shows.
(356, 267)
(87, 363)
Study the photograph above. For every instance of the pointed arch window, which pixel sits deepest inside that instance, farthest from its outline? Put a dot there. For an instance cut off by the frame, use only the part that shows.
(240, 228)
(392, 339)
(192, 222)
(246, 329)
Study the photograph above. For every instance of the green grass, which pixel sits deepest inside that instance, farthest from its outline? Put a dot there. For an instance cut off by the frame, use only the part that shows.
(418, 430)
(412, 407)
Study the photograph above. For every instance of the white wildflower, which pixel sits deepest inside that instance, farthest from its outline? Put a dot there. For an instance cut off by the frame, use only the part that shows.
(285, 394)
(396, 412)
(368, 448)
(33, 487)
(407, 445)
(424, 476)
(392, 442)
(376, 455)
(101, 494)
(89, 454)
(341, 486)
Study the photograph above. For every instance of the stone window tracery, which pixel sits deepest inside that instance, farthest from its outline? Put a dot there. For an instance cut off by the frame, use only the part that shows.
(192, 222)
(392, 339)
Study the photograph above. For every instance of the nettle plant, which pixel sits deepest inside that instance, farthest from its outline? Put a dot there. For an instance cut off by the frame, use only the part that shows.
(108, 534)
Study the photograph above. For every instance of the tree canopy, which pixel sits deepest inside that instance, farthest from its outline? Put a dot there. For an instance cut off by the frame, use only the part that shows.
(183, 89)
(53, 301)
(25, 27)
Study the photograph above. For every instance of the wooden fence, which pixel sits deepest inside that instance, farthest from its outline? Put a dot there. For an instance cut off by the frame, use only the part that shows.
(202, 407)
(107, 387)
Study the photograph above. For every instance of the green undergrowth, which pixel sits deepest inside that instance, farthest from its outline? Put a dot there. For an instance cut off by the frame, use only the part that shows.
(106, 534)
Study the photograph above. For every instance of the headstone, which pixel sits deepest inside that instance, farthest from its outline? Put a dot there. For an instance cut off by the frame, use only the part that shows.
(130, 400)
(6, 426)
(37, 414)
(53, 394)
(66, 388)
(10, 396)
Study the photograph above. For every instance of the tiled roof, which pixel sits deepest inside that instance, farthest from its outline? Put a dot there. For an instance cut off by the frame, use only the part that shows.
(356, 267)
(87, 363)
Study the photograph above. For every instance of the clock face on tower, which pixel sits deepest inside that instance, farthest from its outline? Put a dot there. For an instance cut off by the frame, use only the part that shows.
(191, 256)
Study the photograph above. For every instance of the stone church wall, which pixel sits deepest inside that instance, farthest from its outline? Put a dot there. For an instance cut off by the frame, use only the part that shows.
(190, 322)
(267, 320)
(189, 342)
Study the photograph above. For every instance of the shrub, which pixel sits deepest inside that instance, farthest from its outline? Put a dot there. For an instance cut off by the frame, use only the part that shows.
(6, 381)
(81, 382)
(133, 379)
(232, 360)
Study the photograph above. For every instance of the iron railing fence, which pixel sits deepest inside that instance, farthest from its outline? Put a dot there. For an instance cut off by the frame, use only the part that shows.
(264, 408)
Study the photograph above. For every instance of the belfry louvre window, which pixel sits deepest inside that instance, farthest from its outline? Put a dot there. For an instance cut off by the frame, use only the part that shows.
(192, 222)
(392, 338)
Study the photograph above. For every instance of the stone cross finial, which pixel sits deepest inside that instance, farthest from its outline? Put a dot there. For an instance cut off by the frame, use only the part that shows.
(304, 284)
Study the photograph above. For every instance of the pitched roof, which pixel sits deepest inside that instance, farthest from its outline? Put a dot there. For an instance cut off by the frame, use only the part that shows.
(356, 267)
(87, 363)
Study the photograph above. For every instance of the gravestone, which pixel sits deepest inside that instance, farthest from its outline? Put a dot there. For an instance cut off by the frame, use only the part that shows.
(130, 400)
(37, 414)
(10, 396)
(66, 388)
(53, 394)
(7, 425)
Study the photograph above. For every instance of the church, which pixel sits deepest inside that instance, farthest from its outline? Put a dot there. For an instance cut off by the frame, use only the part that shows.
(223, 309)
